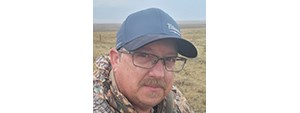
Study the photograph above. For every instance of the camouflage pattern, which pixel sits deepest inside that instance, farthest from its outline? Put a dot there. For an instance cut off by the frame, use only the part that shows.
(107, 98)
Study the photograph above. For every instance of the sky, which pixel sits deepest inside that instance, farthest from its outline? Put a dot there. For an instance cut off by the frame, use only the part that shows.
(116, 11)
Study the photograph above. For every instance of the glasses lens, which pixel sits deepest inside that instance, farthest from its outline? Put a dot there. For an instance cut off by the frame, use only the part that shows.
(144, 60)
(174, 63)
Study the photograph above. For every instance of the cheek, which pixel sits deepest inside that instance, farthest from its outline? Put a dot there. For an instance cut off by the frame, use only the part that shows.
(169, 80)
(128, 78)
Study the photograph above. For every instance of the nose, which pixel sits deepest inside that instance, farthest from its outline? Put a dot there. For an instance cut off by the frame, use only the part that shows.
(158, 70)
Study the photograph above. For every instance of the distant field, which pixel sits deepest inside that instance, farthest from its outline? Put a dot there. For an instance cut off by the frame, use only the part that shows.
(116, 26)
(191, 81)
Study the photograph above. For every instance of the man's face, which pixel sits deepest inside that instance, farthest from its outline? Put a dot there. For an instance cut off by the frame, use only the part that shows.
(146, 87)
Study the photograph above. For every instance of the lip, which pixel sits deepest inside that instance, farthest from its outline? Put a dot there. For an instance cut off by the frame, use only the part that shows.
(153, 88)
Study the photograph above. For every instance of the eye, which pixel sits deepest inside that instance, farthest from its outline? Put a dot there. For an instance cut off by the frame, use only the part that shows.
(170, 59)
(145, 55)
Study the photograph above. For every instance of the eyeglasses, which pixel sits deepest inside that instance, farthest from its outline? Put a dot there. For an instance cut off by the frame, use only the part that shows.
(147, 61)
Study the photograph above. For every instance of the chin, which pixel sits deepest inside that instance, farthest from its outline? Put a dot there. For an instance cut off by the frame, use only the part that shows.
(152, 99)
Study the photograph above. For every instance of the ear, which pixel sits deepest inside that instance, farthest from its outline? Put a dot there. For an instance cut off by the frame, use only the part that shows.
(114, 58)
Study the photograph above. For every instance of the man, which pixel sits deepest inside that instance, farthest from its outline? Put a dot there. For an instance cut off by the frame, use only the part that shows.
(138, 75)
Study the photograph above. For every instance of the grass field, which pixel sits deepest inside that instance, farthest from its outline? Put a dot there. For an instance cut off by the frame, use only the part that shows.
(191, 81)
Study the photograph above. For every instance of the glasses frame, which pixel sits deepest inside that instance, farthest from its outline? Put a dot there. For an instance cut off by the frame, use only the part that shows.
(132, 53)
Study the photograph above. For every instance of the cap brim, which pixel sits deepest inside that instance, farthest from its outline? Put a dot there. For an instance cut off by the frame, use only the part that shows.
(184, 47)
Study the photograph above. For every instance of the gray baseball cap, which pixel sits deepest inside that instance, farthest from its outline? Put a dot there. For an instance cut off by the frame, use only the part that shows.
(149, 25)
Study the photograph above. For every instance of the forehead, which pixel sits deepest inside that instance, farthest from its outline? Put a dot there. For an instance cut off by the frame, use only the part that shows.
(164, 45)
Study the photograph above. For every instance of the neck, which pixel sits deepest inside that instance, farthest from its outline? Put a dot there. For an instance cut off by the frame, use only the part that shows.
(142, 108)
(144, 111)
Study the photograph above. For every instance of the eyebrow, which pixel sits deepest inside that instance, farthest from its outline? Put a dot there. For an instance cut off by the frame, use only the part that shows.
(149, 50)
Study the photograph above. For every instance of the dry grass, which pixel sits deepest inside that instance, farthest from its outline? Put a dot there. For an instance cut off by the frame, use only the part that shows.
(191, 81)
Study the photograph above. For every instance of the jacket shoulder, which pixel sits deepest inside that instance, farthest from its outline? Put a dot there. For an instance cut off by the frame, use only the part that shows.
(180, 103)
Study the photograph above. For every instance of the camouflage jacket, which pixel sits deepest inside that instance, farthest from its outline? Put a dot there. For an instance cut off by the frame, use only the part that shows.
(107, 98)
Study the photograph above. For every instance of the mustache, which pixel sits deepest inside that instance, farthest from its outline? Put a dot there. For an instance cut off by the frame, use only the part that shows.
(154, 83)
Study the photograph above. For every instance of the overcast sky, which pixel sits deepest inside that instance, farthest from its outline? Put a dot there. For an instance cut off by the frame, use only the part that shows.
(116, 11)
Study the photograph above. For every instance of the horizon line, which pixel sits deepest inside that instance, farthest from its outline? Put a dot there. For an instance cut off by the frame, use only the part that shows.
(178, 21)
